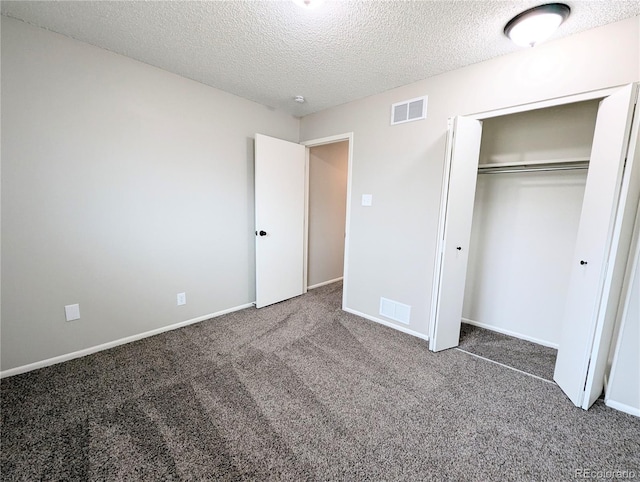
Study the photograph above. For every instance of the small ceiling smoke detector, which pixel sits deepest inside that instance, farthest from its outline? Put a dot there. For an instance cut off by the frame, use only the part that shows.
(536, 24)
(308, 4)
(299, 99)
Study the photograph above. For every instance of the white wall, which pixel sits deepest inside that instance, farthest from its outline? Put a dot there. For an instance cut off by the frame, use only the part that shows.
(559, 132)
(392, 244)
(525, 224)
(122, 185)
(328, 166)
(623, 391)
(522, 242)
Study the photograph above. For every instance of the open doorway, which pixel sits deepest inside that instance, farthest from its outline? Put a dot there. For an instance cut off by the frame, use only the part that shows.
(328, 162)
(328, 167)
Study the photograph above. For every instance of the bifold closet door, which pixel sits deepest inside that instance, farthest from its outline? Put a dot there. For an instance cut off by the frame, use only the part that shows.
(590, 287)
(459, 190)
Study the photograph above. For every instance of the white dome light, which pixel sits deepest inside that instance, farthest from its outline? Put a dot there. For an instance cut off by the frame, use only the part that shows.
(536, 24)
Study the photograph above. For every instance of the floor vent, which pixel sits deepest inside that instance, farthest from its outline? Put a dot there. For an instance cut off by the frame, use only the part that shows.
(395, 311)
(409, 110)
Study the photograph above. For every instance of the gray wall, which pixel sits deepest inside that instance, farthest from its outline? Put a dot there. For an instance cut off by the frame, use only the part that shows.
(392, 243)
(328, 165)
(122, 185)
(624, 382)
(623, 390)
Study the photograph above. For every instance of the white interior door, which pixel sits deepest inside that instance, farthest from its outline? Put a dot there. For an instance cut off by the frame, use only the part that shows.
(279, 212)
(459, 189)
(618, 261)
(591, 273)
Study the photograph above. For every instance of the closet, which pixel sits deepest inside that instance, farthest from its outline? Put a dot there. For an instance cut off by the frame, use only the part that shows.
(532, 174)
(535, 227)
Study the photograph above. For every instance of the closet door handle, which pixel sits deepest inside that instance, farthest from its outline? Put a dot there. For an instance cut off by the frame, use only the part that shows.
(582, 262)
(459, 248)
(261, 233)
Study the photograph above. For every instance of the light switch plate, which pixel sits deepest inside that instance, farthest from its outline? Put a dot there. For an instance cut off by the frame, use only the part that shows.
(367, 199)
(72, 312)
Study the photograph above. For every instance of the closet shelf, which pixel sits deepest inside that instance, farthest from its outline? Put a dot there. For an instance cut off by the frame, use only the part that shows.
(534, 166)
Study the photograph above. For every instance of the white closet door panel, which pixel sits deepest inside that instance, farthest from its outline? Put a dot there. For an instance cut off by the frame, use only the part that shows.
(279, 198)
(620, 251)
(458, 216)
(593, 242)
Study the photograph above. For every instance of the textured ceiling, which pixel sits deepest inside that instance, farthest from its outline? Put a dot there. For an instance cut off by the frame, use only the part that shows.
(271, 51)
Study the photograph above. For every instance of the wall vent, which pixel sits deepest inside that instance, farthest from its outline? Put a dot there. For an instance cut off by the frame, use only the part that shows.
(409, 110)
(394, 310)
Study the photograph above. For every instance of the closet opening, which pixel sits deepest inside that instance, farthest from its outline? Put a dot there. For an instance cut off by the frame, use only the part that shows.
(530, 185)
(545, 247)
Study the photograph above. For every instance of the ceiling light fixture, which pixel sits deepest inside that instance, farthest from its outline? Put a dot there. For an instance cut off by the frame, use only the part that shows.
(536, 24)
(299, 99)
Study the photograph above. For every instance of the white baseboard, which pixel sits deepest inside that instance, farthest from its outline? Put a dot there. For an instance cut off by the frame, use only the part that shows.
(511, 333)
(387, 323)
(318, 285)
(623, 407)
(111, 344)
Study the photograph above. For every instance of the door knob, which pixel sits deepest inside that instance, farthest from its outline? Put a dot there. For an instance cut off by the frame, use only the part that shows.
(583, 262)
(459, 248)
(261, 233)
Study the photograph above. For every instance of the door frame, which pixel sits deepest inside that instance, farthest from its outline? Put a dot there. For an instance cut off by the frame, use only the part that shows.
(320, 142)
(553, 102)
(481, 116)
(515, 109)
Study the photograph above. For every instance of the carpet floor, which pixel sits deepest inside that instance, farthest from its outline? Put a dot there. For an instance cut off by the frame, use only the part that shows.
(522, 355)
(299, 391)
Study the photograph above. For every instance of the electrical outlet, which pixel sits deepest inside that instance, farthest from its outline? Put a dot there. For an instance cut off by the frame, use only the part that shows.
(182, 299)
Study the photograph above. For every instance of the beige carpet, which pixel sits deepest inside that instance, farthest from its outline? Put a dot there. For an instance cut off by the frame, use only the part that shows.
(520, 354)
(299, 391)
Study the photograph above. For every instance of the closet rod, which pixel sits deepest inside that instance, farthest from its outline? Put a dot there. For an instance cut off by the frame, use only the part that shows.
(539, 163)
(539, 169)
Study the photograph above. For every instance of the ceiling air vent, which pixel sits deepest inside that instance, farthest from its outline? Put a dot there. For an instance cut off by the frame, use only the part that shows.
(409, 110)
